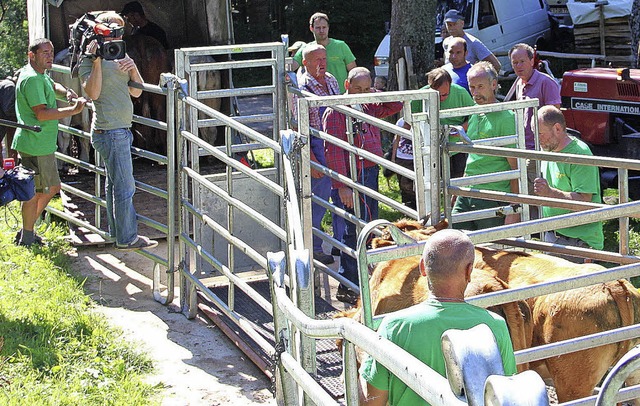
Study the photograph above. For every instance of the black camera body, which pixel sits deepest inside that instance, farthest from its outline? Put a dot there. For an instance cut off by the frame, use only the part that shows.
(85, 30)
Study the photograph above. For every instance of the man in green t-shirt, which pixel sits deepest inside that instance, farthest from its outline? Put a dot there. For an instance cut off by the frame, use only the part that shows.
(563, 180)
(483, 83)
(36, 95)
(340, 59)
(451, 96)
(447, 262)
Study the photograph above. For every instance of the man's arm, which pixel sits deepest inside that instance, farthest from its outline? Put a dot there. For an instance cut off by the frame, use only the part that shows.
(62, 92)
(93, 84)
(493, 61)
(513, 183)
(541, 188)
(334, 123)
(351, 66)
(382, 110)
(44, 113)
(128, 65)
(372, 396)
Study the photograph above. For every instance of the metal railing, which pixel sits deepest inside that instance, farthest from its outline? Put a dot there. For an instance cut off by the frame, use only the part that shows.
(200, 230)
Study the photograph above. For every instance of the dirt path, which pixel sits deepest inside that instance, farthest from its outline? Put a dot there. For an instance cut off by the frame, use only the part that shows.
(195, 362)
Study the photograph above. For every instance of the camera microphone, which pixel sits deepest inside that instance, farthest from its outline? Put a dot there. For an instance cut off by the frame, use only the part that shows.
(108, 31)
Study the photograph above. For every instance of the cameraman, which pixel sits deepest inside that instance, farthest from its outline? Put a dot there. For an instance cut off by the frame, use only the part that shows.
(36, 95)
(107, 83)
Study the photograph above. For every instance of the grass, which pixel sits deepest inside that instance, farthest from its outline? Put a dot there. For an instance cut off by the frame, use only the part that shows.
(53, 349)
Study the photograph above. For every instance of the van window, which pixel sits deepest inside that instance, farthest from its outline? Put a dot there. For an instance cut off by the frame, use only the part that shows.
(465, 7)
(486, 14)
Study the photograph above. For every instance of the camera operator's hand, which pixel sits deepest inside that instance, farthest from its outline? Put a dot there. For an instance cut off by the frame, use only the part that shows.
(92, 48)
(127, 64)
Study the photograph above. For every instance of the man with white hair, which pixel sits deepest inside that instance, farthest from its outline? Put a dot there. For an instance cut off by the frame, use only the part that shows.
(315, 79)
(483, 84)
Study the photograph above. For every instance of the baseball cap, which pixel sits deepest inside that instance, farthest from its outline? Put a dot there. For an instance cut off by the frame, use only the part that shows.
(452, 16)
(132, 7)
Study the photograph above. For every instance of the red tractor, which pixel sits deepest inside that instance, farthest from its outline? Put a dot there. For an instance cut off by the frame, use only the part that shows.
(603, 104)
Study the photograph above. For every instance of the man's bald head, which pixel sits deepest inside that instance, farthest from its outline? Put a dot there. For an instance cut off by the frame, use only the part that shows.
(447, 256)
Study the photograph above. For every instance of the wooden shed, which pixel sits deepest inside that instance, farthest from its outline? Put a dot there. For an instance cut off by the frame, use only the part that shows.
(186, 22)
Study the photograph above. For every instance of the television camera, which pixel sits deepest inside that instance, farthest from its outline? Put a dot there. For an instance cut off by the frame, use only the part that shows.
(86, 29)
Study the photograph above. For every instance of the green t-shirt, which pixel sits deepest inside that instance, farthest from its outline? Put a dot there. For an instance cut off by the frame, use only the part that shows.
(575, 178)
(34, 89)
(490, 125)
(418, 329)
(458, 97)
(339, 55)
(113, 109)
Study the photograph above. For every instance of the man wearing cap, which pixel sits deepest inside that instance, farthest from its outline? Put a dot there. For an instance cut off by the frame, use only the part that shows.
(476, 50)
(134, 14)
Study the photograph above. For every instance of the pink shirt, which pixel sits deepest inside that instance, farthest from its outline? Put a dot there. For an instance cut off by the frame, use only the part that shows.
(542, 87)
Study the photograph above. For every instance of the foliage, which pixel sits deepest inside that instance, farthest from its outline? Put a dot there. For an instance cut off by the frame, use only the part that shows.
(14, 36)
(360, 23)
(53, 349)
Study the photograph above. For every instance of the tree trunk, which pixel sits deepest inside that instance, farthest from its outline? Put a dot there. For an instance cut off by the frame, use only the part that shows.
(413, 24)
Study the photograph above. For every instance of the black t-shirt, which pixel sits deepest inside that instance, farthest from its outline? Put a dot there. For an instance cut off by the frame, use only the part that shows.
(7, 103)
(154, 30)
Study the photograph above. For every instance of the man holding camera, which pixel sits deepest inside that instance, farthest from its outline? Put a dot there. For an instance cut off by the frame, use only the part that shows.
(36, 95)
(107, 83)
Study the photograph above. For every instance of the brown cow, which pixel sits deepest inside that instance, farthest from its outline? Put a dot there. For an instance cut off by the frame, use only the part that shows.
(152, 60)
(560, 316)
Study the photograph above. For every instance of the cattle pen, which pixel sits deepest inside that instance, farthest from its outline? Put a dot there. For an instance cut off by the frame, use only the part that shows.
(238, 240)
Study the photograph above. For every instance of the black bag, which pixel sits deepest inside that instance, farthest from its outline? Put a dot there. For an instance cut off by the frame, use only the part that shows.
(17, 184)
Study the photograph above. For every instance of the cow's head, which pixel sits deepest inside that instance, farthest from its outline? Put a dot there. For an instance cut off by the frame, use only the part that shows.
(414, 228)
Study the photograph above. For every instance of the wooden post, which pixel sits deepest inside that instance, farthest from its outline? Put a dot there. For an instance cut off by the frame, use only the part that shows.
(603, 47)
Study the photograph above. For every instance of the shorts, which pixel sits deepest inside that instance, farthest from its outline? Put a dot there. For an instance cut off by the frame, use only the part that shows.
(46, 170)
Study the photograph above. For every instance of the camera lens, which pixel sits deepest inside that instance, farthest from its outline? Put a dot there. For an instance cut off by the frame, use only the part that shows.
(113, 50)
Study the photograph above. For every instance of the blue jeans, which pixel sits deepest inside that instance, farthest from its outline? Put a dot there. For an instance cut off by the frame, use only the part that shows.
(320, 187)
(369, 210)
(115, 148)
(337, 222)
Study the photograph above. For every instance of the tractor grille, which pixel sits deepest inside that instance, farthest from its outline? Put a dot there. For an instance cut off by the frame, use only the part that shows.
(628, 89)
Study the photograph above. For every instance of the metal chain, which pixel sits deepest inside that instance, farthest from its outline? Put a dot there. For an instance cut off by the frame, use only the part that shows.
(275, 360)
(296, 163)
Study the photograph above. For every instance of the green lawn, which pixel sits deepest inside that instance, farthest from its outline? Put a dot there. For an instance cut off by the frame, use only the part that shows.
(53, 349)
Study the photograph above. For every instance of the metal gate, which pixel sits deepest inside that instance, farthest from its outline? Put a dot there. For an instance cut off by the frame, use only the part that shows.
(227, 222)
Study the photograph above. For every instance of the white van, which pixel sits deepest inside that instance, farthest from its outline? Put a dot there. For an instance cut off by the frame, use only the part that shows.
(499, 24)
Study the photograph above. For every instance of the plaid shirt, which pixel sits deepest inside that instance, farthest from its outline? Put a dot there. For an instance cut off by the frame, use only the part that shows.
(368, 138)
(310, 84)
